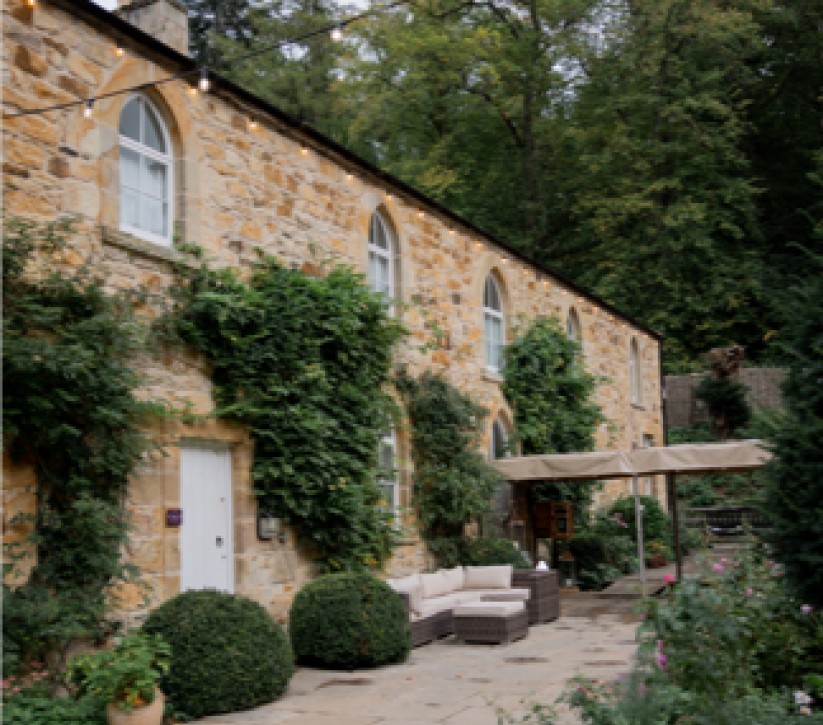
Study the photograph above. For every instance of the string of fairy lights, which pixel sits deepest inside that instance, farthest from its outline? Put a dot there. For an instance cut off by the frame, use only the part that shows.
(203, 74)
(200, 78)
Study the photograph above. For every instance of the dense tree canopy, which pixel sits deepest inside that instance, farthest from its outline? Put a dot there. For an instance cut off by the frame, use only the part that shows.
(601, 137)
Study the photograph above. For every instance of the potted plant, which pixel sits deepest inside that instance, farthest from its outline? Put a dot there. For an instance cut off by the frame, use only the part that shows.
(125, 678)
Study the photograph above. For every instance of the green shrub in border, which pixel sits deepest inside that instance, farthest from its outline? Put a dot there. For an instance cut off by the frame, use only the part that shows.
(347, 621)
(489, 552)
(228, 654)
(44, 710)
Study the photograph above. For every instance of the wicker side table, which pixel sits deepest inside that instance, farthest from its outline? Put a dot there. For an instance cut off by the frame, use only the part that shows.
(491, 622)
(544, 602)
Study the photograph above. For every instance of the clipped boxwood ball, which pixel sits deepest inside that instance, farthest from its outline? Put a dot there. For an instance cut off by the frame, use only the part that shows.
(348, 620)
(228, 654)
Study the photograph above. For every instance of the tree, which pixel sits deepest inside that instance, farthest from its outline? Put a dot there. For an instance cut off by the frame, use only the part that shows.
(794, 489)
(659, 181)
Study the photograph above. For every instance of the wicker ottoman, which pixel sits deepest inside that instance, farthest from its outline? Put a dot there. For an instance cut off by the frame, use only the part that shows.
(490, 622)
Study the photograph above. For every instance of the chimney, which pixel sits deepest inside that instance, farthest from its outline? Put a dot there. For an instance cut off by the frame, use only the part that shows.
(165, 20)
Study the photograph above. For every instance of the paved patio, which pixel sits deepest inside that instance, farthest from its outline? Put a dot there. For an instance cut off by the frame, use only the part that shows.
(466, 684)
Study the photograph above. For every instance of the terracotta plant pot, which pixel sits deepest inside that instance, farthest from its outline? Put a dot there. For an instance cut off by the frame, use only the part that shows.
(151, 714)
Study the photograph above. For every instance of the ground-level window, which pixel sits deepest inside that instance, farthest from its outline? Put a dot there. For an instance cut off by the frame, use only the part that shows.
(499, 441)
(387, 473)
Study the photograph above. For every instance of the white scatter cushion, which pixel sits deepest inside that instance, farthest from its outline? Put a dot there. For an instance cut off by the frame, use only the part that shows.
(409, 585)
(488, 577)
(434, 584)
(488, 609)
(454, 577)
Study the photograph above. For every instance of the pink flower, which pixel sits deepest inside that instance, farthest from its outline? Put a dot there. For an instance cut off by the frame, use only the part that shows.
(669, 579)
(718, 568)
(661, 660)
(660, 644)
(806, 609)
(724, 560)
(749, 592)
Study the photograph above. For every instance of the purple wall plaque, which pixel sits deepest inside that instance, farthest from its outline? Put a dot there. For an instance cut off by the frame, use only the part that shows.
(174, 517)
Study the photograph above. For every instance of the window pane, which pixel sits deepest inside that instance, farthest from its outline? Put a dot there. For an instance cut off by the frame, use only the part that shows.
(152, 130)
(129, 208)
(130, 119)
(154, 179)
(491, 298)
(377, 233)
(153, 216)
(129, 168)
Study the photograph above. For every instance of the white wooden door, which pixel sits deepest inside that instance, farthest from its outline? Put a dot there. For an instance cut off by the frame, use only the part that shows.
(206, 541)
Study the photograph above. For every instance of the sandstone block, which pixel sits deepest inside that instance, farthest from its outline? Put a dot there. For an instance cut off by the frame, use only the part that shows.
(30, 62)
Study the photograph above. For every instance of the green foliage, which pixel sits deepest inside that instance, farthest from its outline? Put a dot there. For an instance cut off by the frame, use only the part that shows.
(656, 523)
(44, 710)
(794, 495)
(348, 620)
(69, 410)
(126, 675)
(603, 550)
(488, 552)
(726, 403)
(550, 394)
(304, 363)
(453, 484)
(228, 654)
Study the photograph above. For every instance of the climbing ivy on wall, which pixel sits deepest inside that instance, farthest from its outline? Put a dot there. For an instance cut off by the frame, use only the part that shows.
(69, 411)
(550, 394)
(453, 484)
(303, 362)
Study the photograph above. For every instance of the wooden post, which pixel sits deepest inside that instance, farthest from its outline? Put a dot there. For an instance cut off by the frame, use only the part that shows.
(671, 493)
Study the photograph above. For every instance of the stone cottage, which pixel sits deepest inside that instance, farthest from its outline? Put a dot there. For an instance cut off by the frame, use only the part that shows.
(168, 160)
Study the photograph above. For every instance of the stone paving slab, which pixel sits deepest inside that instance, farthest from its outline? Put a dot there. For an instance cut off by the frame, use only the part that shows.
(457, 684)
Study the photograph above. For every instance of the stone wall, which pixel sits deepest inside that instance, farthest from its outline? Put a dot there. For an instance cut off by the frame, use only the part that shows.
(685, 411)
(243, 187)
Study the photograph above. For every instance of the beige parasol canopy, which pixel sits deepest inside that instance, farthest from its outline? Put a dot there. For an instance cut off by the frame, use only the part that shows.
(700, 457)
(566, 466)
(685, 458)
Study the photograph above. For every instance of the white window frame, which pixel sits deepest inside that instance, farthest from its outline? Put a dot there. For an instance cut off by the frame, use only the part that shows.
(389, 439)
(388, 255)
(145, 151)
(635, 381)
(494, 357)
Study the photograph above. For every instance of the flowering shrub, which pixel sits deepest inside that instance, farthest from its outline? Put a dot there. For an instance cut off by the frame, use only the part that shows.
(732, 647)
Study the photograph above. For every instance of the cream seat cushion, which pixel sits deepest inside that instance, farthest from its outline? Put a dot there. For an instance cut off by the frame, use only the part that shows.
(488, 609)
(435, 584)
(439, 604)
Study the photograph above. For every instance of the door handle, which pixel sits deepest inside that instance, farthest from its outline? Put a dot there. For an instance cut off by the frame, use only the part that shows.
(219, 541)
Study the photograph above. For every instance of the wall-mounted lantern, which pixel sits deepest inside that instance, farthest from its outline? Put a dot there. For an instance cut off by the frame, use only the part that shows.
(269, 527)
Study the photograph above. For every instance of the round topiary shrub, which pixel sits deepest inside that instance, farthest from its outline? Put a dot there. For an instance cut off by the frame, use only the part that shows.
(348, 620)
(228, 654)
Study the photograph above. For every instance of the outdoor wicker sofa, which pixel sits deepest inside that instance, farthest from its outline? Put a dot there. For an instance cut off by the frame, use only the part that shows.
(431, 597)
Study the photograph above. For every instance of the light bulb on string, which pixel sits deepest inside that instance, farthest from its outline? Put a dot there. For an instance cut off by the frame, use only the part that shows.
(88, 108)
(204, 84)
(336, 34)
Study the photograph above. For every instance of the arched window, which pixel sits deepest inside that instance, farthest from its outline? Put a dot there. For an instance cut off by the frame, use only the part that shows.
(635, 377)
(573, 330)
(382, 257)
(387, 474)
(499, 442)
(145, 172)
(493, 324)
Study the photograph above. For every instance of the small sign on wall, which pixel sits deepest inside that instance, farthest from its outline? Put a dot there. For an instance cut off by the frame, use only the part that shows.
(174, 518)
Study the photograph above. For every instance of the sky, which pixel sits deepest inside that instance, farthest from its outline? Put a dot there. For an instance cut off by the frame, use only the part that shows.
(108, 4)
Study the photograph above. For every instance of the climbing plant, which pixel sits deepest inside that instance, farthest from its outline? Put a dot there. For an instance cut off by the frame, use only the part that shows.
(70, 412)
(303, 362)
(453, 484)
(550, 394)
